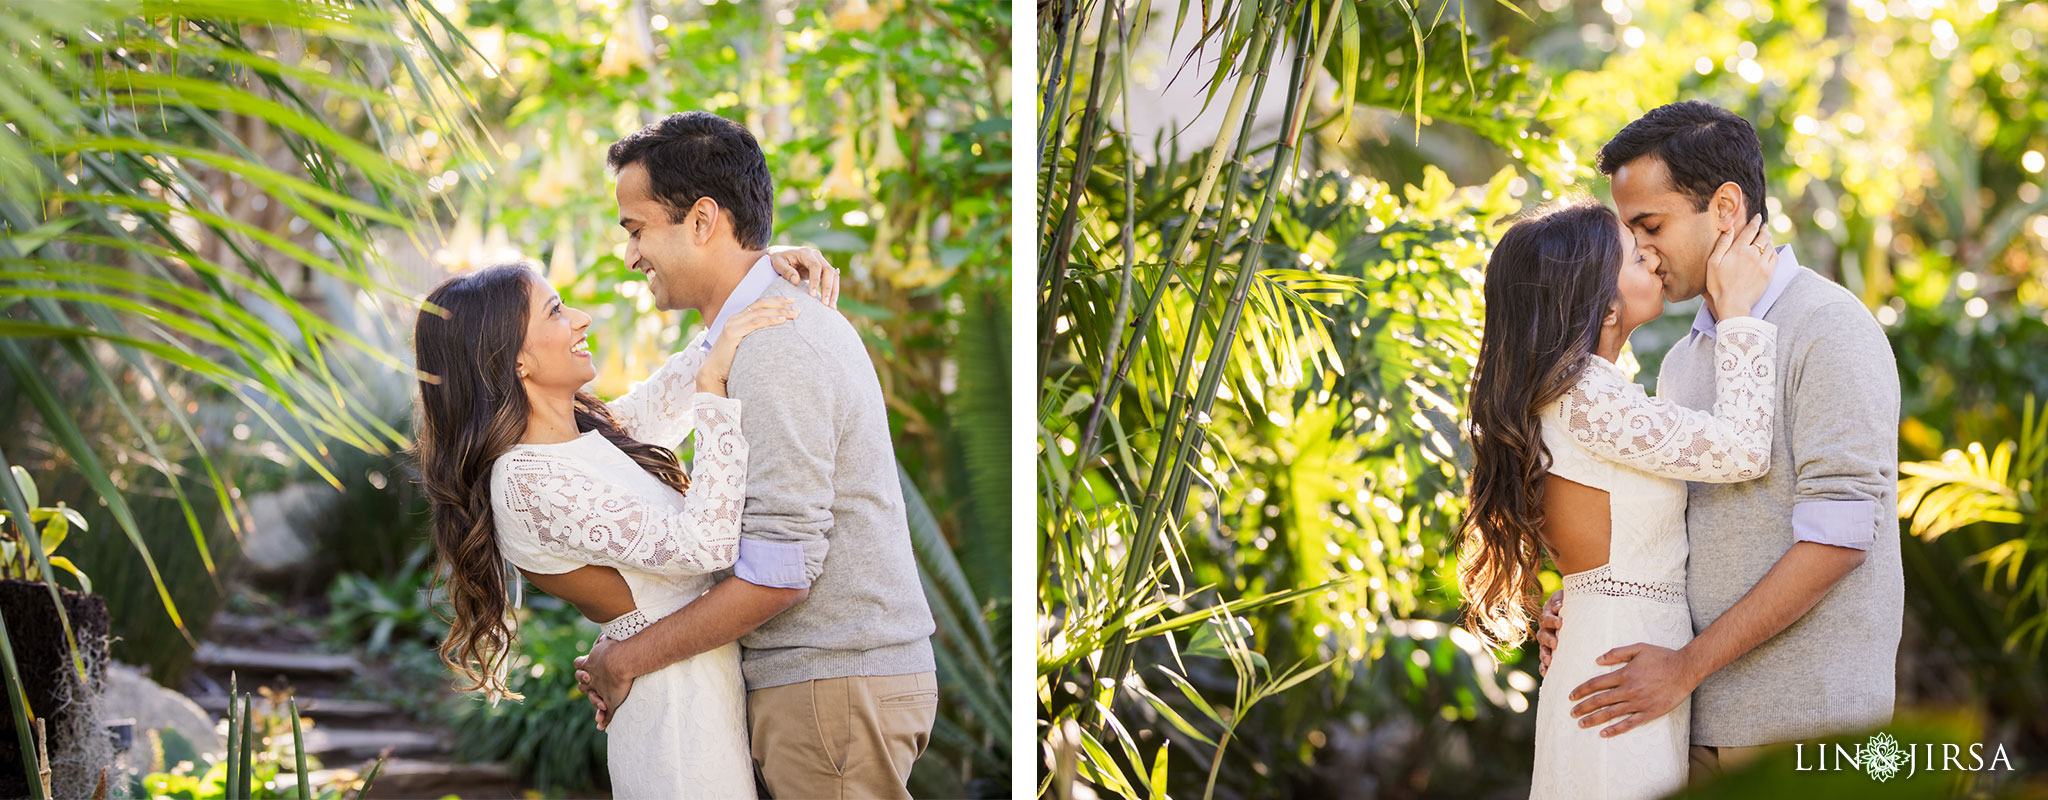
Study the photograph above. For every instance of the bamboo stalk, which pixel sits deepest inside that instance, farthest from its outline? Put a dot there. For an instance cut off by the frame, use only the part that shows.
(1283, 166)
(1278, 178)
(1269, 37)
(1187, 441)
(1172, 446)
(1054, 123)
(1052, 271)
(1296, 123)
(1247, 91)
(1214, 165)
(1128, 238)
(1051, 109)
(1127, 235)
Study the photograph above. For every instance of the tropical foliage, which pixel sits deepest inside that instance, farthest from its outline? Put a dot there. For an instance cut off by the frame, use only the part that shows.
(1256, 337)
(152, 156)
(266, 759)
(52, 525)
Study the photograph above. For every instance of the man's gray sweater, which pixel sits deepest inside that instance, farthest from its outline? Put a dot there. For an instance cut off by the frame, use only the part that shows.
(823, 475)
(1836, 442)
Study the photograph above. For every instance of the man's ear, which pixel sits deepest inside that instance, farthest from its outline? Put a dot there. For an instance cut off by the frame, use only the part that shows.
(703, 220)
(1729, 206)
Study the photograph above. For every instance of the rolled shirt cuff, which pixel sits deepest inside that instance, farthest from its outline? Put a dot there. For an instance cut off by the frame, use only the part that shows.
(1841, 523)
(778, 565)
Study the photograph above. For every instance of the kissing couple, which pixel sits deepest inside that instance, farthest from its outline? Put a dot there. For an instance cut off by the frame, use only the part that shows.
(762, 610)
(1729, 547)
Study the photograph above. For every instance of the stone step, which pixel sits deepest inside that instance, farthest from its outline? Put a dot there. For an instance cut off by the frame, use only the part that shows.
(321, 708)
(414, 778)
(256, 666)
(342, 744)
(258, 625)
(409, 777)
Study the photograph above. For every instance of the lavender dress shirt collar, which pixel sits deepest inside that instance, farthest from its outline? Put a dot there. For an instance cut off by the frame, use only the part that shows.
(1788, 268)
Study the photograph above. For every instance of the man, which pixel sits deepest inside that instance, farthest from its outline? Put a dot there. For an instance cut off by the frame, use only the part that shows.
(1793, 579)
(825, 598)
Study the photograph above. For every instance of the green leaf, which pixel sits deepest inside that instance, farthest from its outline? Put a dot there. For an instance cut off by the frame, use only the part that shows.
(1188, 690)
(1098, 764)
(54, 532)
(31, 240)
(1172, 716)
(28, 487)
(1348, 32)
(304, 775)
(1158, 782)
(84, 583)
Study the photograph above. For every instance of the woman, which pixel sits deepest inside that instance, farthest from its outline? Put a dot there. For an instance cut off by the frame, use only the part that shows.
(1573, 459)
(586, 499)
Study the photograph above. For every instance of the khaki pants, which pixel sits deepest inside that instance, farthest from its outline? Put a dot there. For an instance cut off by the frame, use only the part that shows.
(1708, 762)
(838, 738)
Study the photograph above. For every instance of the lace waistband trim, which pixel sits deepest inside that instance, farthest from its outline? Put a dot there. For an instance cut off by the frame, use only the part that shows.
(1601, 580)
(625, 625)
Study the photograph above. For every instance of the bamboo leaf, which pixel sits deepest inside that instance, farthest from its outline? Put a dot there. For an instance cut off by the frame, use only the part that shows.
(1172, 716)
(1194, 697)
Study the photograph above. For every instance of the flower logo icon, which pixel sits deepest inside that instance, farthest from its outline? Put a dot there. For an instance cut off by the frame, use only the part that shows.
(1882, 757)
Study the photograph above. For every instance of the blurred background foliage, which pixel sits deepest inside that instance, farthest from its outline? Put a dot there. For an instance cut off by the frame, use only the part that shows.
(219, 217)
(1248, 584)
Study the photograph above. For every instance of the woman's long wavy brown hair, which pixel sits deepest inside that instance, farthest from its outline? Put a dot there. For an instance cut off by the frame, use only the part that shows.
(1548, 286)
(472, 410)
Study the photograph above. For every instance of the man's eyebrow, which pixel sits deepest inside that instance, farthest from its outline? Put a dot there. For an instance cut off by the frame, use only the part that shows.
(1638, 219)
(624, 221)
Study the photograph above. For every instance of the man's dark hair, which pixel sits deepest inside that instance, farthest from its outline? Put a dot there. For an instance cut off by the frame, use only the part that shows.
(1703, 145)
(698, 154)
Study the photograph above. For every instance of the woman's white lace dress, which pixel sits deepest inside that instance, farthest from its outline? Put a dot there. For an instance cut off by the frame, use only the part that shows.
(682, 732)
(1607, 434)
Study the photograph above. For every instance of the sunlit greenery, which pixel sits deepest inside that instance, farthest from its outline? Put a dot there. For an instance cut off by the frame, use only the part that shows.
(1282, 516)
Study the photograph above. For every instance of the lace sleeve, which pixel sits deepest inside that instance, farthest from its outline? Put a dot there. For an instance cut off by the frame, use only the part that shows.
(552, 512)
(656, 410)
(1615, 419)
